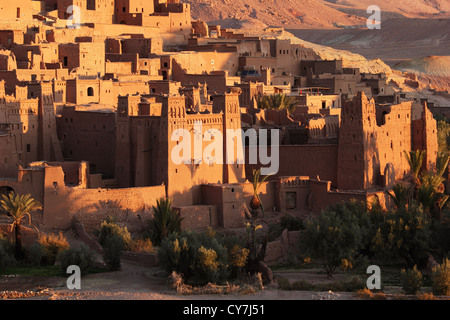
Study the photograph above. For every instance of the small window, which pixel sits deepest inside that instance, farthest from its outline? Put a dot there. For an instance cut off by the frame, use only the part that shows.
(28, 148)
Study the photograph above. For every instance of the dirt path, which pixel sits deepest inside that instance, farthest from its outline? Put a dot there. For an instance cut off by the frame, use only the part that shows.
(134, 282)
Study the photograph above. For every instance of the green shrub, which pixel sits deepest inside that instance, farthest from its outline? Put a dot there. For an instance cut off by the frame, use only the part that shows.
(404, 233)
(237, 253)
(83, 257)
(411, 280)
(110, 227)
(291, 223)
(113, 247)
(335, 235)
(53, 245)
(34, 254)
(283, 283)
(441, 278)
(198, 257)
(6, 253)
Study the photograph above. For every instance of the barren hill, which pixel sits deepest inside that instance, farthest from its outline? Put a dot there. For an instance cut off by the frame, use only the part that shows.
(310, 13)
(433, 70)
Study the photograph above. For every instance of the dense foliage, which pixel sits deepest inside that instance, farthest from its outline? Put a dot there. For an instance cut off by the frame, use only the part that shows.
(202, 257)
(82, 257)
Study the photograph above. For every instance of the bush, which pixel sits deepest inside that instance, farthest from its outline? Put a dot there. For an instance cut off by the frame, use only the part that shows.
(82, 257)
(291, 223)
(142, 245)
(404, 233)
(411, 280)
(110, 227)
(198, 257)
(34, 254)
(283, 283)
(236, 251)
(113, 247)
(53, 245)
(426, 296)
(6, 254)
(334, 235)
(441, 278)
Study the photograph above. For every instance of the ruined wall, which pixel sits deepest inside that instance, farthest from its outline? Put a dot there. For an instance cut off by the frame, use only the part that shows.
(130, 207)
(89, 136)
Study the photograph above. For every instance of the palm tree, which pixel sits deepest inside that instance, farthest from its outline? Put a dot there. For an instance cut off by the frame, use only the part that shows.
(256, 202)
(165, 220)
(415, 161)
(442, 161)
(278, 101)
(401, 195)
(18, 207)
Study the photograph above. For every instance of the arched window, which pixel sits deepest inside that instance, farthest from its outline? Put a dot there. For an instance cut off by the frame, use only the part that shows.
(90, 92)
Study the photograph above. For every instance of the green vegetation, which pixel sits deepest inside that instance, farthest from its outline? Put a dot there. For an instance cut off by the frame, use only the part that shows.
(278, 101)
(412, 280)
(18, 207)
(109, 227)
(355, 284)
(441, 278)
(33, 271)
(165, 221)
(6, 253)
(335, 235)
(113, 247)
(52, 245)
(82, 257)
(199, 257)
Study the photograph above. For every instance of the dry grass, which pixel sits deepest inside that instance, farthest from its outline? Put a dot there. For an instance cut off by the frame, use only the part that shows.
(176, 282)
(426, 296)
(142, 246)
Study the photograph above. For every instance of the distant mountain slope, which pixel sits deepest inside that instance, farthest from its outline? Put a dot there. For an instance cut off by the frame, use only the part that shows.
(310, 13)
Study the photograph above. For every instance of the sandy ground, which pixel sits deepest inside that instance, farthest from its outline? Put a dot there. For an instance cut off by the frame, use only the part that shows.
(134, 282)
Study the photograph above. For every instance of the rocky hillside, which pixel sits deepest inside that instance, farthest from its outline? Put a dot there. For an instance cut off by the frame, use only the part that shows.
(309, 13)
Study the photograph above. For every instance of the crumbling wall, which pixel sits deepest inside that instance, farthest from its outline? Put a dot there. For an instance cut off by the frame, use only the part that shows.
(131, 207)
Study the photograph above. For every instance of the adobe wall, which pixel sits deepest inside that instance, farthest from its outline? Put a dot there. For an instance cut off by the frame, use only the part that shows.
(303, 160)
(131, 207)
(229, 201)
(89, 136)
(267, 194)
(198, 217)
(201, 62)
(20, 9)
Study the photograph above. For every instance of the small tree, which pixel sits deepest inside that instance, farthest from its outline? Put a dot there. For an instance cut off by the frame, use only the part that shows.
(165, 221)
(112, 251)
(278, 101)
(18, 207)
(404, 233)
(441, 278)
(333, 236)
(110, 227)
(411, 280)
